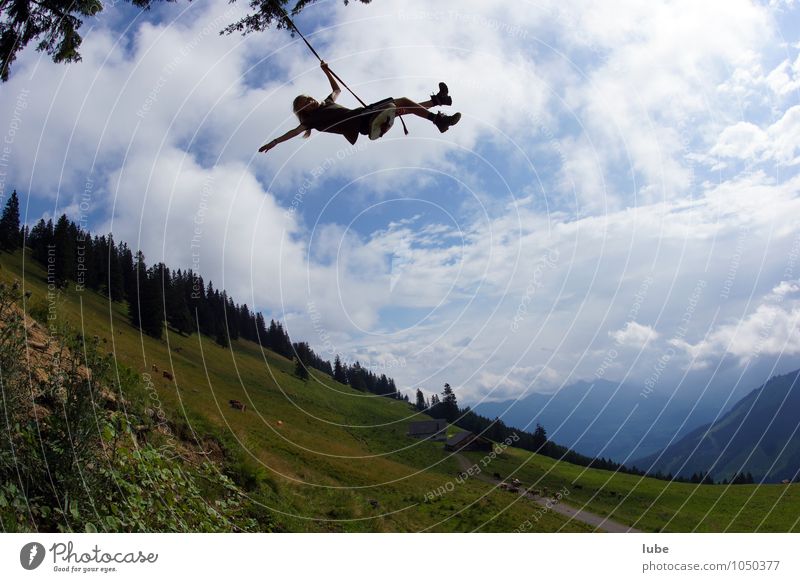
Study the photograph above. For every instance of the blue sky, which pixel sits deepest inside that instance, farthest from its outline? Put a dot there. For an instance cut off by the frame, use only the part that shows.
(621, 183)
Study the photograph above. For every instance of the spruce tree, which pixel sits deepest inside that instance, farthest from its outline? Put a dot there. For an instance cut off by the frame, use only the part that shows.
(302, 353)
(116, 277)
(261, 329)
(178, 315)
(449, 406)
(539, 436)
(339, 373)
(152, 302)
(134, 294)
(64, 267)
(421, 405)
(9, 225)
(39, 239)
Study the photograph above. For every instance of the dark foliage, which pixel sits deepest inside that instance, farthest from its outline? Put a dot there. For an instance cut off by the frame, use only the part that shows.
(54, 24)
(10, 236)
(266, 13)
(181, 300)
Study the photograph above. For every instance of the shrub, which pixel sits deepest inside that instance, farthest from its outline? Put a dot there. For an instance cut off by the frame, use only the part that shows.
(70, 462)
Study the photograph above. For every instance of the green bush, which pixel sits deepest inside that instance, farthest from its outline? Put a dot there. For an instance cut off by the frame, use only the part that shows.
(70, 462)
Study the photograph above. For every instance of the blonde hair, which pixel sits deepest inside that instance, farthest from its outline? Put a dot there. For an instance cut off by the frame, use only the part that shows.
(301, 110)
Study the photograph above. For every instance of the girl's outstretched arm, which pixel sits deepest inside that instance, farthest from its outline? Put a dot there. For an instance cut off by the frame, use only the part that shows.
(286, 136)
(335, 90)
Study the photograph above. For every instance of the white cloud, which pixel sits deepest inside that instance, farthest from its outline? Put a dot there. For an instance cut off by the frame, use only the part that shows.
(771, 329)
(570, 179)
(657, 82)
(634, 335)
(779, 142)
(785, 78)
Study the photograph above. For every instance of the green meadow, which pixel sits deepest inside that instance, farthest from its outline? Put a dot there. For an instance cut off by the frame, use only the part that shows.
(317, 455)
(654, 505)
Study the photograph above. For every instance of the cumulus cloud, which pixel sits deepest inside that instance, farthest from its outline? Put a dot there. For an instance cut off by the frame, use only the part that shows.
(785, 78)
(493, 257)
(633, 335)
(778, 142)
(771, 329)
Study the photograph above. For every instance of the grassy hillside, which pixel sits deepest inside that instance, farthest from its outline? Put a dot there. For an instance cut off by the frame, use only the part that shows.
(654, 505)
(319, 456)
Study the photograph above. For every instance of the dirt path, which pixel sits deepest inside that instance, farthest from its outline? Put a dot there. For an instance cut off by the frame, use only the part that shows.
(598, 522)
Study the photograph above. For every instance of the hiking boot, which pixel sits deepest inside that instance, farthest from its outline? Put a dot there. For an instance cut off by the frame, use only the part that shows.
(442, 97)
(443, 122)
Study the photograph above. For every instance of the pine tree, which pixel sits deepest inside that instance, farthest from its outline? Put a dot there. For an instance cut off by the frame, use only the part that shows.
(64, 251)
(420, 405)
(116, 277)
(178, 315)
(145, 306)
(385, 387)
(9, 225)
(134, 293)
(152, 302)
(449, 404)
(39, 239)
(539, 436)
(339, 373)
(231, 316)
(261, 329)
(356, 377)
(302, 353)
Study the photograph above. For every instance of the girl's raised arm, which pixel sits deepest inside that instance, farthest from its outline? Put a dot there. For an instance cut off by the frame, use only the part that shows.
(286, 136)
(335, 90)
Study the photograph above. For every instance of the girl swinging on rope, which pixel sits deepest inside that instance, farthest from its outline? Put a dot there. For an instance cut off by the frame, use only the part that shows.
(373, 120)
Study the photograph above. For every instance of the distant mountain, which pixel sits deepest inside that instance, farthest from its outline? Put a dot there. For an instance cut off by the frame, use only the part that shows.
(759, 435)
(601, 418)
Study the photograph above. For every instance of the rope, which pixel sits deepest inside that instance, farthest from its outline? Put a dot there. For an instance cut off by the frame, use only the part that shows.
(316, 54)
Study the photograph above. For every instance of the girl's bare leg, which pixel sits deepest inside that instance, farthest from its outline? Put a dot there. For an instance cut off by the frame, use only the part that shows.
(405, 106)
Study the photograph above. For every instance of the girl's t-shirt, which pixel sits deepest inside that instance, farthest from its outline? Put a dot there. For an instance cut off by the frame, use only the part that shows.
(331, 117)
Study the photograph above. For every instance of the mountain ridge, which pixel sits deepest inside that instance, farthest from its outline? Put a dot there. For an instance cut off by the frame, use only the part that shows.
(759, 434)
(601, 418)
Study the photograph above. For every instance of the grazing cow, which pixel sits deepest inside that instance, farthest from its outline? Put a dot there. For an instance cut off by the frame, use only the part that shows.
(497, 476)
(785, 482)
(167, 375)
(237, 405)
(154, 367)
